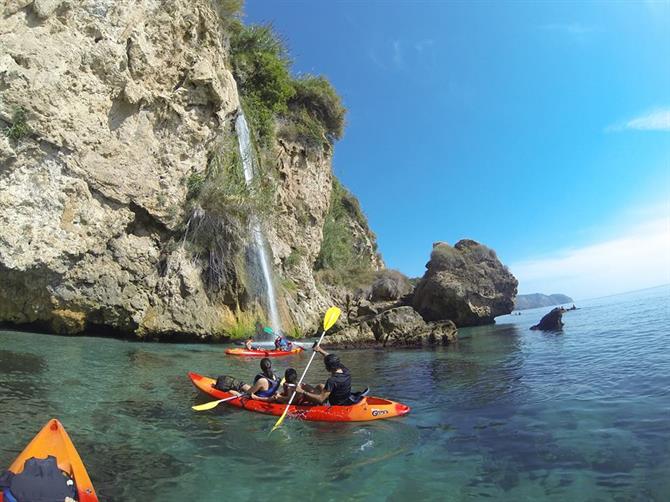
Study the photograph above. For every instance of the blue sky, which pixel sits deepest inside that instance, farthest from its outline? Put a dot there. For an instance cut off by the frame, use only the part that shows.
(540, 129)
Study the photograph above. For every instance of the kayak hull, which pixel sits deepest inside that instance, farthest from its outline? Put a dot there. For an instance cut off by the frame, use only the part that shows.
(53, 440)
(369, 408)
(263, 353)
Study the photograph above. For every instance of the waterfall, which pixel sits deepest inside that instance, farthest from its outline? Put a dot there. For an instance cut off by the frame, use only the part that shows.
(246, 152)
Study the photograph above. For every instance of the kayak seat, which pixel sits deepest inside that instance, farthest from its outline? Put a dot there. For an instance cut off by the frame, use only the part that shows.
(357, 397)
(41, 481)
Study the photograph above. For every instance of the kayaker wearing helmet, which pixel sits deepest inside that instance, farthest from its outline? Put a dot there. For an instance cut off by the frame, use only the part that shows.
(337, 388)
(265, 383)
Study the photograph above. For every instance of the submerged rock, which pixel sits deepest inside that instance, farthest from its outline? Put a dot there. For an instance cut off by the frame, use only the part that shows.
(552, 321)
(466, 284)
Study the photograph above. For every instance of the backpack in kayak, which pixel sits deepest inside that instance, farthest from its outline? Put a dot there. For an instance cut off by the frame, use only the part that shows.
(226, 383)
(40, 481)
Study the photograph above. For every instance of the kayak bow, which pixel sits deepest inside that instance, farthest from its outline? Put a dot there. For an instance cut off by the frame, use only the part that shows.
(369, 408)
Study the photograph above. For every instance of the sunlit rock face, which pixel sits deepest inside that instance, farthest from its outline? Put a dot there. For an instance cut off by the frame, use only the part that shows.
(466, 284)
(121, 100)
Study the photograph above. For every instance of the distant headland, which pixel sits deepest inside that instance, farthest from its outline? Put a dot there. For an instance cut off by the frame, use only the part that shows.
(536, 300)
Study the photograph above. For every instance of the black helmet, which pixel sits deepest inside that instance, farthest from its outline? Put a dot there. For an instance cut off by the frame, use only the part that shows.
(332, 362)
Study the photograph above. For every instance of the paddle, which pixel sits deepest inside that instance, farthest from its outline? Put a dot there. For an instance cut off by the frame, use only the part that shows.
(328, 320)
(214, 404)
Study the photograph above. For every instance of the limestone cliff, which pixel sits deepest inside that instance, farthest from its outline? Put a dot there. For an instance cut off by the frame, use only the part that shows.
(114, 107)
(122, 208)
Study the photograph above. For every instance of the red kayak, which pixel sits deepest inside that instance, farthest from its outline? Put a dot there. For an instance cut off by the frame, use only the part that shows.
(263, 353)
(368, 408)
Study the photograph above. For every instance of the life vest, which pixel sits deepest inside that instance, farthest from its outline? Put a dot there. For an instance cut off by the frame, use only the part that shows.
(282, 343)
(274, 385)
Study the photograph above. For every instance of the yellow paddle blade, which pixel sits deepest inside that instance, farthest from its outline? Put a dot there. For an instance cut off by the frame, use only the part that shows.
(206, 406)
(281, 419)
(331, 318)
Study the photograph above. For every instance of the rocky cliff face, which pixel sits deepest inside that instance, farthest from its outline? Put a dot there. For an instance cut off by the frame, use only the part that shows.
(466, 284)
(118, 121)
(124, 102)
(303, 199)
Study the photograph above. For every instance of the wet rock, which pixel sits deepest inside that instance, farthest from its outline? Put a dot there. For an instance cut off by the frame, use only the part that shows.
(68, 322)
(552, 321)
(396, 327)
(465, 283)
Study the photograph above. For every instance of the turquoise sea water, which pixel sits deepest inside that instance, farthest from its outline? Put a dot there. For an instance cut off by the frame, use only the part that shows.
(506, 414)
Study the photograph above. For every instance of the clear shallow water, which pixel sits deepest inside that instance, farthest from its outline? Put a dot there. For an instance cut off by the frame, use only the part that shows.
(506, 414)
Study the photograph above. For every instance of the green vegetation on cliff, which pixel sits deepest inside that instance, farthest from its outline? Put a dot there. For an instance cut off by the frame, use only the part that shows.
(221, 204)
(19, 127)
(341, 260)
(307, 108)
(223, 191)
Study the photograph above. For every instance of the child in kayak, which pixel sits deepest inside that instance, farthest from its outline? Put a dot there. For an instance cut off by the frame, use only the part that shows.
(265, 383)
(286, 390)
(336, 390)
(249, 344)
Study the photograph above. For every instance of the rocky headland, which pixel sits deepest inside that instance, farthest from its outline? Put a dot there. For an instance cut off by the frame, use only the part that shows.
(123, 209)
(535, 300)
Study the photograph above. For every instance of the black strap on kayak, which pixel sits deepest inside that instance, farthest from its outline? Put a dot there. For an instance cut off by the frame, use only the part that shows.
(357, 397)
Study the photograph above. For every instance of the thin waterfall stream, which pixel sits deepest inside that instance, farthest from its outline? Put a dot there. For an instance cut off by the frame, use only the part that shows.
(246, 152)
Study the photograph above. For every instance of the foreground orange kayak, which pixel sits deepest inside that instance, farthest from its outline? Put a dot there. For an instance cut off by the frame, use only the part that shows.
(52, 440)
(263, 353)
(369, 408)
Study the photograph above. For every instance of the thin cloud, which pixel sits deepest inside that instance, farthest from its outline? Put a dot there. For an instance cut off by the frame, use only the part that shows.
(422, 45)
(398, 59)
(656, 120)
(574, 29)
(400, 55)
(636, 259)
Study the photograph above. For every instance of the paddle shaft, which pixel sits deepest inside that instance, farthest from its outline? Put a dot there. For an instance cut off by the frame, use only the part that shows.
(216, 403)
(232, 397)
(323, 333)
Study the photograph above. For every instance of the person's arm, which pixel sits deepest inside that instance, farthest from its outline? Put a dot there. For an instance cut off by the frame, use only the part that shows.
(317, 348)
(264, 399)
(256, 387)
(319, 397)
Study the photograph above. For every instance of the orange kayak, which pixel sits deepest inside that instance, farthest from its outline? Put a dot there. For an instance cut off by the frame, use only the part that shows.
(53, 440)
(263, 353)
(369, 408)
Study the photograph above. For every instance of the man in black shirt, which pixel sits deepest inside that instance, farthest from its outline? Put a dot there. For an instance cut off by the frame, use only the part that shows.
(337, 388)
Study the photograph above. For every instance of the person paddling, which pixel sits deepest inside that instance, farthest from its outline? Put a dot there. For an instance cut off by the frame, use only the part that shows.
(336, 390)
(265, 383)
(281, 343)
(249, 344)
